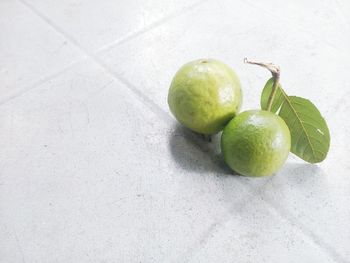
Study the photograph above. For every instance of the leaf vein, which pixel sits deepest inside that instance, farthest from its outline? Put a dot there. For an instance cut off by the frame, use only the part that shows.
(301, 123)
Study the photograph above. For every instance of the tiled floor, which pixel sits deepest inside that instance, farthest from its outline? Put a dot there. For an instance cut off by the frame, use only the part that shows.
(93, 168)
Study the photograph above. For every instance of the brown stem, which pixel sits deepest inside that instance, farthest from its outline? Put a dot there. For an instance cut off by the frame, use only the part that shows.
(275, 71)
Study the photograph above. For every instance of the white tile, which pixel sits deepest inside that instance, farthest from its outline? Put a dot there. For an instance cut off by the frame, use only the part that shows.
(344, 7)
(326, 20)
(30, 50)
(310, 67)
(89, 173)
(316, 196)
(256, 233)
(95, 24)
(10, 249)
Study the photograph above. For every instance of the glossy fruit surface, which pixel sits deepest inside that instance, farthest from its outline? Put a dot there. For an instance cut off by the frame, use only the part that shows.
(205, 95)
(256, 143)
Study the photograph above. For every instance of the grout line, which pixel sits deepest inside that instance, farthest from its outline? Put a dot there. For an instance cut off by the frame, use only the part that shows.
(216, 226)
(145, 99)
(166, 117)
(289, 218)
(302, 228)
(24, 90)
(149, 27)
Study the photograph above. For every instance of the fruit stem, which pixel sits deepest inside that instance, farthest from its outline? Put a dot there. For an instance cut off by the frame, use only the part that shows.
(206, 137)
(275, 71)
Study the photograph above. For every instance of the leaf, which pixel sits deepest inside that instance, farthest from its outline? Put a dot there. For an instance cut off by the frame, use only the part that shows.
(278, 100)
(309, 131)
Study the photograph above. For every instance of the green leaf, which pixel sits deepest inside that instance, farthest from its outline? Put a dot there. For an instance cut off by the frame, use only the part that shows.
(309, 131)
(278, 100)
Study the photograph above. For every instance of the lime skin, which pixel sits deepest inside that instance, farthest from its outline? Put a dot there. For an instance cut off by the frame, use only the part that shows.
(256, 143)
(205, 95)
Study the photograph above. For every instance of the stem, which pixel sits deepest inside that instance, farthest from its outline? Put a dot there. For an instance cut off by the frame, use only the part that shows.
(206, 137)
(275, 71)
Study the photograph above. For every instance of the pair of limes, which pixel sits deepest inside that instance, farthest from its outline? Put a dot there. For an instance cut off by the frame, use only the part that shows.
(205, 96)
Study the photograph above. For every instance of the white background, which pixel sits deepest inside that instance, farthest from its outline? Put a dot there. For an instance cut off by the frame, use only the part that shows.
(93, 168)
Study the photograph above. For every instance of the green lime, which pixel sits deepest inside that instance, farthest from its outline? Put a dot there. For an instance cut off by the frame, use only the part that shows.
(256, 143)
(205, 95)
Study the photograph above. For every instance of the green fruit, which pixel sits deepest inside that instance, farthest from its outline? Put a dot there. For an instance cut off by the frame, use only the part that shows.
(205, 95)
(256, 143)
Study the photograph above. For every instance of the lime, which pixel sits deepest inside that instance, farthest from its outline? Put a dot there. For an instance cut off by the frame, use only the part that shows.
(205, 95)
(256, 143)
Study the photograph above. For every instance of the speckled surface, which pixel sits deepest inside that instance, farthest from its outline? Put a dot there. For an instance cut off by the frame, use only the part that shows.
(93, 167)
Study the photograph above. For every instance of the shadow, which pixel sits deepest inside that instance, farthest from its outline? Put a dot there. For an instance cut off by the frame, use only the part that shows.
(292, 173)
(302, 173)
(193, 152)
(294, 176)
